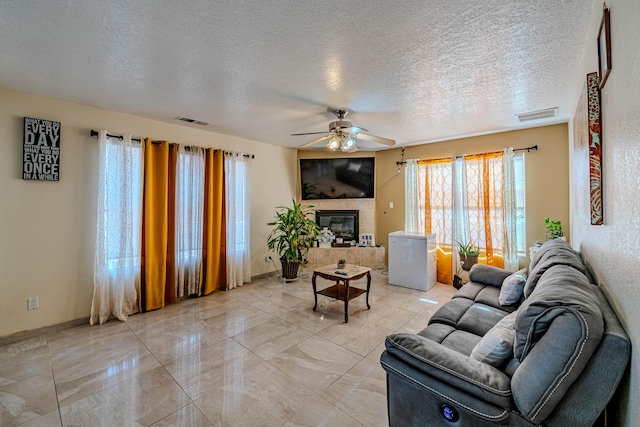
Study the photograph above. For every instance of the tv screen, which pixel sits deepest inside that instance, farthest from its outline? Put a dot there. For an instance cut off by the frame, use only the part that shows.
(337, 178)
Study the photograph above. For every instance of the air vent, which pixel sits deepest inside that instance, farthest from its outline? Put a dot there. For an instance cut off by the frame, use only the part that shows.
(194, 121)
(537, 115)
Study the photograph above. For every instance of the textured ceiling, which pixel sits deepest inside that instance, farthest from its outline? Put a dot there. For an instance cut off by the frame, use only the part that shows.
(414, 71)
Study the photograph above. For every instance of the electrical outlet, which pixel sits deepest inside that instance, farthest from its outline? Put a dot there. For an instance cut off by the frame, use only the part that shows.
(33, 303)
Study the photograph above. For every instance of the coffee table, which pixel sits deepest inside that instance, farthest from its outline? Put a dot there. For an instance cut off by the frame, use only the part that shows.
(342, 290)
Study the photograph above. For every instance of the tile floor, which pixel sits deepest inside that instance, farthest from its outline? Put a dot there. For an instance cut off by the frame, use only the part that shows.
(254, 356)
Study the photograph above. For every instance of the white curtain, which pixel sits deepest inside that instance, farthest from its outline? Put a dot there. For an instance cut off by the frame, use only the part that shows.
(461, 231)
(116, 278)
(237, 172)
(189, 210)
(510, 214)
(412, 201)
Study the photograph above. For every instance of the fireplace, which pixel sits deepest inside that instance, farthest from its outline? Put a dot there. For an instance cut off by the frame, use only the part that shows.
(343, 223)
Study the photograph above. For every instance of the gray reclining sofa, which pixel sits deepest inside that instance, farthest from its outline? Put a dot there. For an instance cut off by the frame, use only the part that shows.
(551, 354)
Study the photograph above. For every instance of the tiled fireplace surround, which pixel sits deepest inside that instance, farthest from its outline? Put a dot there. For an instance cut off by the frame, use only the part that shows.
(369, 257)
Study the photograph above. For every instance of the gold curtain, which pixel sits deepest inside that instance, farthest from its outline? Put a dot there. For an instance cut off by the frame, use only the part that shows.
(436, 201)
(214, 275)
(158, 287)
(485, 196)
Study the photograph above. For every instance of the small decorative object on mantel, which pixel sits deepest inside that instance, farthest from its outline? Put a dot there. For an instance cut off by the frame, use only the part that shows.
(326, 238)
(341, 263)
(41, 150)
(604, 47)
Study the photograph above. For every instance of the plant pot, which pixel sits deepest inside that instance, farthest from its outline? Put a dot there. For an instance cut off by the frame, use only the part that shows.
(468, 261)
(341, 265)
(290, 269)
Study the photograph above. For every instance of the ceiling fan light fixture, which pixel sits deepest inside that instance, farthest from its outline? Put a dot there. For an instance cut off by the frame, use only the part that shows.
(348, 143)
(333, 144)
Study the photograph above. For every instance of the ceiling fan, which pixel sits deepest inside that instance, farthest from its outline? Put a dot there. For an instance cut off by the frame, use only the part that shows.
(343, 135)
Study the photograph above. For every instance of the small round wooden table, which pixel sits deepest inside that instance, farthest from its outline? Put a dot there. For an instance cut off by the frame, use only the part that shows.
(342, 290)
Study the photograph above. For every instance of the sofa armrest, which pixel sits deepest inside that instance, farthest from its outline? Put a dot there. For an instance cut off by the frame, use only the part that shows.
(488, 275)
(431, 360)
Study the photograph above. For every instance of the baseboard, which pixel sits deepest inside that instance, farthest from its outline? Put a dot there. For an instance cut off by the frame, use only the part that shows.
(268, 275)
(32, 333)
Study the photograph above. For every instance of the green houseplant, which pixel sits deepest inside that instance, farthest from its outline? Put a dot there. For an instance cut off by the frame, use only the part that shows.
(468, 254)
(292, 235)
(554, 229)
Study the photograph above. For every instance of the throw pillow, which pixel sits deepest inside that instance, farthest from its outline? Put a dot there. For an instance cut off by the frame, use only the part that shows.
(513, 288)
(496, 346)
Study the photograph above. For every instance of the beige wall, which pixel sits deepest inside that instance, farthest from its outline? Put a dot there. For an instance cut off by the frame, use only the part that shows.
(547, 177)
(47, 229)
(613, 249)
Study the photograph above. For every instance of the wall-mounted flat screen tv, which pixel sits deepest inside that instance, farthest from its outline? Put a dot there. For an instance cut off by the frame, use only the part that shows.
(337, 178)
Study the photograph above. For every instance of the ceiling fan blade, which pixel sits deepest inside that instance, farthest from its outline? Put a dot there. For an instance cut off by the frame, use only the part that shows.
(356, 129)
(307, 133)
(378, 139)
(322, 138)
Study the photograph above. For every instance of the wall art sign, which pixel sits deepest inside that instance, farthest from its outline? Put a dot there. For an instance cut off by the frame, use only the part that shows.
(587, 143)
(41, 150)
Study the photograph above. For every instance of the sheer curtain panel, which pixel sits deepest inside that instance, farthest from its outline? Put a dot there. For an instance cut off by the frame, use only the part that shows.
(116, 277)
(189, 208)
(510, 212)
(411, 211)
(237, 175)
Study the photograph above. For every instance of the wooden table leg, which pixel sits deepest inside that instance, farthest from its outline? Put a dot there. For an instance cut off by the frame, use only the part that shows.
(368, 286)
(315, 295)
(346, 301)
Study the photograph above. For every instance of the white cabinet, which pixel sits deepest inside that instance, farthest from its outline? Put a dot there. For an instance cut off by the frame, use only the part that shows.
(412, 260)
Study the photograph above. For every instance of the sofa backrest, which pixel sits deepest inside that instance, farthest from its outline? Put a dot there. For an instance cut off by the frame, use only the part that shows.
(558, 328)
(553, 252)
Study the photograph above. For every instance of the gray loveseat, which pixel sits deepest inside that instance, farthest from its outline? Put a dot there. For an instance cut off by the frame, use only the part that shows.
(552, 356)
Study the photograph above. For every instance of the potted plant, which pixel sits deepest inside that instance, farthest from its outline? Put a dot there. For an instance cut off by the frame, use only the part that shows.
(468, 255)
(341, 263)
(554, 229)
(292, 235)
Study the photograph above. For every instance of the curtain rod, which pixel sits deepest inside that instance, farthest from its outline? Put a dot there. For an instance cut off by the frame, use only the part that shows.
(516, 150)
(187, 147)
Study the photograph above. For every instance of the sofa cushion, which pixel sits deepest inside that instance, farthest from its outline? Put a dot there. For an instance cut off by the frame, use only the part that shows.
(460, 341)
(496, 347)
(513, 288)
(488, 275)
(480, 318)
(451, 312)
